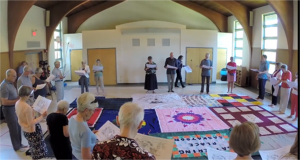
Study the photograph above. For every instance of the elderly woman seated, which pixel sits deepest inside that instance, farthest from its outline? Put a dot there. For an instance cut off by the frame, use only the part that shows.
(244, 140)
(124, 146)
(59, 133)
(81, 137)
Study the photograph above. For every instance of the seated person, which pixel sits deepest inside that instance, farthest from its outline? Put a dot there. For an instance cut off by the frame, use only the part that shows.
(244, 140)
(123, 146)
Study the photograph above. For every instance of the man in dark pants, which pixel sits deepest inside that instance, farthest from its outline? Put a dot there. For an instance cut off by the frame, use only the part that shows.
(262, 76)
(171, 61)
(206, 66)
(178, 71)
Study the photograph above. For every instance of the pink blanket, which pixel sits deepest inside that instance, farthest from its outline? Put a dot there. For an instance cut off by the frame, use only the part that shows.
(188, 119)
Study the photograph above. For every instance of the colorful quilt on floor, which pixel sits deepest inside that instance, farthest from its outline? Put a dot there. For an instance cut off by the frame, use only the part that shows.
(188, 119)
(234, 100)
(151, 124)
(156, 101)
(200, 100)
(269, 123)
(92, 121)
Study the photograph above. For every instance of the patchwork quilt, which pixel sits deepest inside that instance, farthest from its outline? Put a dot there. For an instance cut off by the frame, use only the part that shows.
(188, 119)
(269, 124)
(200, 100)
(92, 121)
(230, 100)
(156, 101)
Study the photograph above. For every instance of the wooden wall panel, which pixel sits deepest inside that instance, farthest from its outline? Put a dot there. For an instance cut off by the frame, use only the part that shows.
(4, 59)
(295, 65)
(255, 61)
(283, 56)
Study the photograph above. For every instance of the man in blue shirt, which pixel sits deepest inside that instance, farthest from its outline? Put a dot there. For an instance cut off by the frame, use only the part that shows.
(262, 76)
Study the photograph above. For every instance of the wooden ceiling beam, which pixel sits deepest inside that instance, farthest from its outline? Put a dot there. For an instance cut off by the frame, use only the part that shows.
(218, 19)
(285, 13)
(75, 21)
(16, 11)
(57, 13)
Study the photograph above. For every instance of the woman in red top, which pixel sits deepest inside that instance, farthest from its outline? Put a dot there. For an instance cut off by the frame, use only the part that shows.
(231, 74)
(285, 89)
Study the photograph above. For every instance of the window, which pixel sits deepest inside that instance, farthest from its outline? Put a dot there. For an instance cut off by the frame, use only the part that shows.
(57, 44)
(238, 43)
(269, 38)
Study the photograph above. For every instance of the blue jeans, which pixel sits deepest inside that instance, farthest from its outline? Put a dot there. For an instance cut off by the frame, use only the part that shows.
(261, 88)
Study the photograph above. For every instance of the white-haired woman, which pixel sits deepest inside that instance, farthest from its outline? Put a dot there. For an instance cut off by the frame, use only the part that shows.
(81, 137)
(85, 78)
(59, 131)
(59, 84)
(35, 79)
(30, 125)
(99, 76)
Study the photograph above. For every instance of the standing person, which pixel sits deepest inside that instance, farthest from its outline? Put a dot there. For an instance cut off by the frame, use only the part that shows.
(285, 89)
(178, 71)
(30, 125)
(9, 97)
(262, 77)
(35, 80)
(275, 89)
(206, 72)
(24, 80)
(57, 123)
(150, 77)
(170, 71)
(59, 84)
(20, 68)
(84, 79)
(99, 77)
(231, 75)
(294, 106)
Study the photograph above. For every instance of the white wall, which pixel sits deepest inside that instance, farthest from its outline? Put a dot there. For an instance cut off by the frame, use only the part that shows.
(225, 41)
(34, 19)
(3, 26)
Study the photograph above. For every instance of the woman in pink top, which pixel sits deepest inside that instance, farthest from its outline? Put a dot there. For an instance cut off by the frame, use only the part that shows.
(285, 89)
(30, 125)
(294, 106)
(231, 74)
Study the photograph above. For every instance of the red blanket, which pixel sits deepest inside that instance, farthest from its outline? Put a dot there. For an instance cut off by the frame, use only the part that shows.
(92, 121)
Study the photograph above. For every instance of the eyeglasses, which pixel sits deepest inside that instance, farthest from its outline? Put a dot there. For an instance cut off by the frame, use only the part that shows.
(95, 101)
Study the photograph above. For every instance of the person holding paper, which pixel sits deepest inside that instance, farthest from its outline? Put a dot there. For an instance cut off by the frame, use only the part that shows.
(294, 99)
(178, 71)
(84, 79)
(262, 77)
(25, 80)
(35, 79)
(30, 125)
(150, 77)
(171, 61)
(59, 84)
(277, 74)
(231, 74)
(206, 66)
(99, 77)
(123, 146)
(244, 140)
(57, 123)
(82, 138)
(285, 89)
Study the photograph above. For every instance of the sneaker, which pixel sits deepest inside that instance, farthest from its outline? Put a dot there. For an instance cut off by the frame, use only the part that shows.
(168, 91)
(22, 150)
(177, 86)
(183, 86)
(172, 91)
(23, 146)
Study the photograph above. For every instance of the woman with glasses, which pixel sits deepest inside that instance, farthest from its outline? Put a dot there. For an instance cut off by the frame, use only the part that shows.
(99, 76)
(81, 137)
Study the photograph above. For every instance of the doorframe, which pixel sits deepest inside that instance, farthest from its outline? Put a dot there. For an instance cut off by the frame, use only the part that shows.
(196, 47)
(71, 62)
(87, 53)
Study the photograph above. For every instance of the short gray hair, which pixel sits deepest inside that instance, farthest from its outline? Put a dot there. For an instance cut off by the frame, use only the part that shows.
(27, 68)
(84, 102)
(130, 114)
(56, 62)
(284, 66)
(61, 105)
(24, 91)
(38, 70)
(8, 72)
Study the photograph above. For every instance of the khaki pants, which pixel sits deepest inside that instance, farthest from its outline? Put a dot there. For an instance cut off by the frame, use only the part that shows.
(99, 81)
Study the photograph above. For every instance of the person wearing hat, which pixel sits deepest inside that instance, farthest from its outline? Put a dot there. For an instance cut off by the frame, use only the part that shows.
(150, 78)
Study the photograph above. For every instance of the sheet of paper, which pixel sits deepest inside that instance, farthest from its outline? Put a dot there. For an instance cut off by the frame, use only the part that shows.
(266, 114)
(234, 122)
(233, 109)
(150, 65)
(50, 78)
(275, 120)
(292, 84)
(66, 72)
(273, 80)
(263, 131)
(244, 109)
(97, 68)
(41, 104)
(230, 67)
(171, 67)
(227, 116)
(205, 66)
(256, 108)
(188, 69)
(161, 148)
(80, 72)
(288, 127)
(252, 118)
(214, 154)
(220, 110)
(274, 129)
(275, 154)
(255, 70)
(40, 86)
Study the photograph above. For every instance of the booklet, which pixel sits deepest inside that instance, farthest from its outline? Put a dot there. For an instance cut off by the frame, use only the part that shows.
(97, 68)
(80, 72)
(150, 65)
(41, 104)
(188, 69)
(50, 78)
(171, 67)
(40, 86)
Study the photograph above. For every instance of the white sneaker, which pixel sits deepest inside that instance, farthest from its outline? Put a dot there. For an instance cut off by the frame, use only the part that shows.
(22, 150)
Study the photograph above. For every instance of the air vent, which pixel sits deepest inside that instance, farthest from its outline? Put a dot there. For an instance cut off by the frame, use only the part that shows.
(135, 42)
(165, 42)
(151, 42)
(33, 44)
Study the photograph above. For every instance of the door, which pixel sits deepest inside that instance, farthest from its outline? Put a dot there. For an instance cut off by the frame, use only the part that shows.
(76, 58)
(221, 61)
(107, 57)
(33, 60)
(194, 57)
